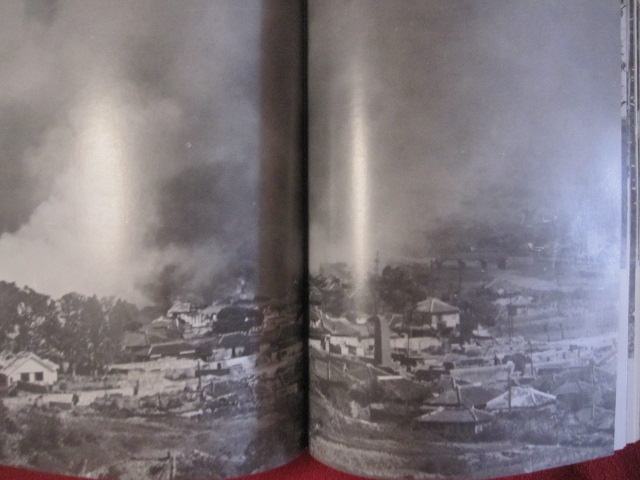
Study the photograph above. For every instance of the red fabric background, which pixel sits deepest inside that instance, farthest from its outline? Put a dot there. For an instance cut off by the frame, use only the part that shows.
(624, 465)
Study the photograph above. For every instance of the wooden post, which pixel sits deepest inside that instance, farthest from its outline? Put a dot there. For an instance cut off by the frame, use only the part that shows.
(329, 357)
(512, 311)
(546, 330)
(509, 385)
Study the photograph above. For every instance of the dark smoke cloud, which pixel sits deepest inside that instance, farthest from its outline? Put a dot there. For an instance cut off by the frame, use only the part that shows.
(131, 144)
(466, 109)
(40, 11)
(204, 203)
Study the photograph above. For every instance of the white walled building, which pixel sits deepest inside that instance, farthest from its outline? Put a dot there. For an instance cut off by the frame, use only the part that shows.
(27, 367)
(434, 312)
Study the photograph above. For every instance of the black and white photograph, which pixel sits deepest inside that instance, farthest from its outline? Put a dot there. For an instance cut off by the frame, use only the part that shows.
(151, 238)
(466, 230)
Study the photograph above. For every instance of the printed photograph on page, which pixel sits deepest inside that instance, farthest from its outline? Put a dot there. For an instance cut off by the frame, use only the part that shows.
(465, 235)
(150, 238)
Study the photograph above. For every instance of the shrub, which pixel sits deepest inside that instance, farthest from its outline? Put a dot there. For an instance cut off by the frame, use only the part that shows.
(494, 432)
(538, 437)
(72, 439)
(42, 433)
(200, 465)
(34, 459)
(156, 469)
(7, 424)
(112, 473)
(90, 437)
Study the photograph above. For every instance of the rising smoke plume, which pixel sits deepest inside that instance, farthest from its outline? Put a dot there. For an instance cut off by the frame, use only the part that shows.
(474, 110)
(131, 145)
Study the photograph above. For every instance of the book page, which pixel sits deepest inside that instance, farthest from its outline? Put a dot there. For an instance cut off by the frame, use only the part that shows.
(630, 143)
(151, 234)
(466, 232)
(627, 407)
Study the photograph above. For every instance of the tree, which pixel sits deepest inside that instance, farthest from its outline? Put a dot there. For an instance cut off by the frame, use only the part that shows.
(84, 325)
(22, 309)
(396, 289)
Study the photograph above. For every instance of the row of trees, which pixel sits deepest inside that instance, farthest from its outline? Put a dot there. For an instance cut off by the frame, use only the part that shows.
(399, 289)
(83, 333)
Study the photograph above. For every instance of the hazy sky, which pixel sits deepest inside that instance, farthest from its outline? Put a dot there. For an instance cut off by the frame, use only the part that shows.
(469, 108)
(129, 142)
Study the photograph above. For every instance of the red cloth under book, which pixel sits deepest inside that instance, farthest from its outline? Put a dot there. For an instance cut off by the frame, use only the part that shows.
(624, 465)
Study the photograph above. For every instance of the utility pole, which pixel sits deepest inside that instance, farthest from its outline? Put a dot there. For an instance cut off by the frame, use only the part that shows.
(546, 330)
(375, 283)
(408, 322)
(329, 357)
(511, 313)
(171, 465)
(460, 267)
(509, 385)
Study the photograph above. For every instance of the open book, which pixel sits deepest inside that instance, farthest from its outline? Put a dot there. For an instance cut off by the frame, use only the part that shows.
(403, 234)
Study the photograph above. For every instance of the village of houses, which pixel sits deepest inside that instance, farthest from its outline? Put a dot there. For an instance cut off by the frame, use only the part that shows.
(503, 365)
(199, 384)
